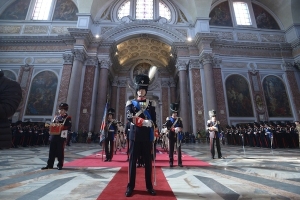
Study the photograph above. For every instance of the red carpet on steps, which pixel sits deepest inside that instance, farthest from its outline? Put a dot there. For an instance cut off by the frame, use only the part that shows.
(117, 187)
(119, 160)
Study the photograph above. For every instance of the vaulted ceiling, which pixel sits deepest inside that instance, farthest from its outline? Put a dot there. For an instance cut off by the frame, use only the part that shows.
(143, 48)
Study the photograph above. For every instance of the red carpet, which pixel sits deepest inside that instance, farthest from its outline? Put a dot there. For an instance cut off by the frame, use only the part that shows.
(117, 186)
(119, 160)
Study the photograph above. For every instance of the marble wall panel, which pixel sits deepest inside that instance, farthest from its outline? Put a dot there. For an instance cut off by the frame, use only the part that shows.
(64, 84)
(30, 29)
(5, 29)
(247, 36)
(220, 97)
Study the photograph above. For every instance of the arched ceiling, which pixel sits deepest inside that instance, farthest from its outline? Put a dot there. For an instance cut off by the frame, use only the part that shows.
(143, 48)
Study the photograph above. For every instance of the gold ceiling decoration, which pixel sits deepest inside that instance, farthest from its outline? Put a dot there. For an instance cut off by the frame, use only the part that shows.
(143, 48)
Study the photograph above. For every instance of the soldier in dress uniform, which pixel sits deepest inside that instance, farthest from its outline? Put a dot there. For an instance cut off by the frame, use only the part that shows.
(141, 113)
(213, 127)
(57, 145)
(174, 125)
(111, 131)
(127, 131)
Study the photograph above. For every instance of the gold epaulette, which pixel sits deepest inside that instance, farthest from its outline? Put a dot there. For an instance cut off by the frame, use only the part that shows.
(128, 103)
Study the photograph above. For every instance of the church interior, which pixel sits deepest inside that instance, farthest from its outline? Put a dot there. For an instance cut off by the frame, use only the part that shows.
(240, 58)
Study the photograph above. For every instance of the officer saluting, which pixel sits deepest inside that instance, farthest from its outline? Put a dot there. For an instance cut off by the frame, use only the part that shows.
(111, 131)
(141, 113)
(174, 125)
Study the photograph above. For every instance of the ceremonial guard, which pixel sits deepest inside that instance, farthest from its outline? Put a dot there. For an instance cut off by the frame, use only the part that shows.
(174, 125)
(110, 131)
(141, 113)
(213, 127)
(127, 131)
(57, 142)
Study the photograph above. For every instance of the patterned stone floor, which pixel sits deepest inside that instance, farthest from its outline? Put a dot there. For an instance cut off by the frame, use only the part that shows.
(244, 174)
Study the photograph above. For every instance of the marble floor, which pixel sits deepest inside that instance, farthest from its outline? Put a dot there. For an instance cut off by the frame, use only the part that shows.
(245, 173)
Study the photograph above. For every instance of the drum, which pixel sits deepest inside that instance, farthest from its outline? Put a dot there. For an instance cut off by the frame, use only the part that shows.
(56, 128)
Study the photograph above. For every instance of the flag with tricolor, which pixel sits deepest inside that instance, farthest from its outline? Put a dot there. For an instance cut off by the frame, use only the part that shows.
(102, 128)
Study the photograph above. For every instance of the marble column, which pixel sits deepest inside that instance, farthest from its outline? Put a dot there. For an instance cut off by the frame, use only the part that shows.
(211, 100)
(172, 90)
(114, 95)
(102, 92)
(74, 87)
(181, 66)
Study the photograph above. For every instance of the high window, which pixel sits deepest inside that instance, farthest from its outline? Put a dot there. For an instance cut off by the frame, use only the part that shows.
(41, 10)
(241, 12)
(144, 9)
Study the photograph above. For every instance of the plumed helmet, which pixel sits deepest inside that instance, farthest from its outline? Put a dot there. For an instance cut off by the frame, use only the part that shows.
(141, 82)
(212, 113)
(111, 111)
(64, 106)
(174, 107)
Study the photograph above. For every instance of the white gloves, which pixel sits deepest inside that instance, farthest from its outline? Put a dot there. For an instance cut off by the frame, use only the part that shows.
(177, 129)
(147, 123)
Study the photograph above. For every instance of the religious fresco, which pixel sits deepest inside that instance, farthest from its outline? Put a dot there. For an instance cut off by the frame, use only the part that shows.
(238, 97)
(263, 18)
(220, 15)
(10, 75)
(16, 11)
(42, 94)
(276, 97)
(65, 10)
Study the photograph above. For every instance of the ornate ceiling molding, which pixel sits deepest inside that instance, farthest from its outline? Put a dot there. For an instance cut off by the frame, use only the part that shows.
(144, 26)
(251, 45)
(33, 40)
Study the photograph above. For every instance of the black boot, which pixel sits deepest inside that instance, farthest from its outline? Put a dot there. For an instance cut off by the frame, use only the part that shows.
(128, 192)
(171, 162)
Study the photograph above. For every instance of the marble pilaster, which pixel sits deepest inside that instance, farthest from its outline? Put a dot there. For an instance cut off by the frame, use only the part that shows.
(65, 78)
(87, 94)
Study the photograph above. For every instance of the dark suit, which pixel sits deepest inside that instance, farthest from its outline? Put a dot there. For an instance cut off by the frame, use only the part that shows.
(141, 141)
(111, 129)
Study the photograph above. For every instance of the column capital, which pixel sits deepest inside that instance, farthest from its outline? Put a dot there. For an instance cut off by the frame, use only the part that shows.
(206, 58)
(105, 63)
(194, 64)
(92, 60)
(115, 81)
(181, 65)
(79, 54)
(68, 58)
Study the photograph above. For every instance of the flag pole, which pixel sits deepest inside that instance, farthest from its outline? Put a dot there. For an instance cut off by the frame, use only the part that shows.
(102, 128)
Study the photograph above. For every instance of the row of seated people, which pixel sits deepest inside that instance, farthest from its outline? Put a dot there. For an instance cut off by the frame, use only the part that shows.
(263, 134)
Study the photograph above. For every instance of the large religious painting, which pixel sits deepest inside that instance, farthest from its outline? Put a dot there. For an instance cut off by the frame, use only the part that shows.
(10, 75)
(16, 11)
(263, 18)
(238, 97)
(276, 97)
(42, 94)
(65, 10)
(220, 15)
